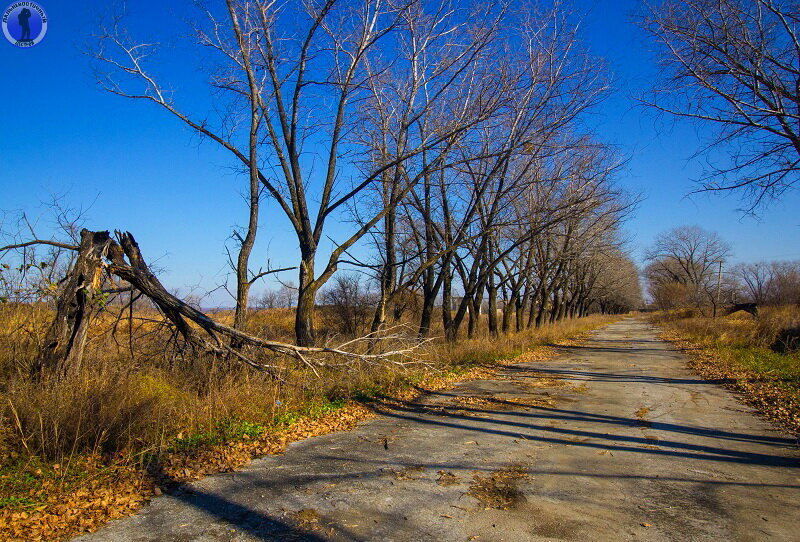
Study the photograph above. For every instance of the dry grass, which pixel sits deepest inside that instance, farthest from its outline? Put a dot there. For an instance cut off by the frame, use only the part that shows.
(143, 403)
(136, 414)
(739, 329)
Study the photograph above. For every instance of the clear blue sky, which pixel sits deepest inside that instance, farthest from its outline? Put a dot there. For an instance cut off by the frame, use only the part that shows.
(148, 174)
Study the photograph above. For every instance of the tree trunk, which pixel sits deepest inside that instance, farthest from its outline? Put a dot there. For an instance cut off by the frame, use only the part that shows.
(306, 300)
(242, 297)
(534, 304)
(509, 310)
(243, 282)
(428, 304)
(562, 310)
(243, 261)
(389, 270)
(493, 331)
(474, 317)
(556, 305)
(533, 310)
(475, 313)
(541, 317)
(379, 317)
(62, 350)
(447, 301)
(430, 290)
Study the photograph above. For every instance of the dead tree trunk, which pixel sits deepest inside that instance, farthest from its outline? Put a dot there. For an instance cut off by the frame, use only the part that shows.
(79, 301)
(65, 340)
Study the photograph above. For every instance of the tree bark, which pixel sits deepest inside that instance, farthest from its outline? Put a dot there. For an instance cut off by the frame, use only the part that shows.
(80, 300)
(447, 300)
(492, 290)
(306, 298)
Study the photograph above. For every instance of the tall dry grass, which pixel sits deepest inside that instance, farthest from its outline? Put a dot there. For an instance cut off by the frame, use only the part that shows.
(136, 395)
(771, 329)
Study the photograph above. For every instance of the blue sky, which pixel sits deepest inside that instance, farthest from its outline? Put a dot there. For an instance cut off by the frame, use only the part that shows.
(146, 173)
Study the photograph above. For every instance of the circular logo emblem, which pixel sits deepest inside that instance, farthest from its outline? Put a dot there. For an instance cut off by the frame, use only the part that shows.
(24, 23)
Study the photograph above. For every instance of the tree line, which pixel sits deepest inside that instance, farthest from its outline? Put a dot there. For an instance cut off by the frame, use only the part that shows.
(690, 267)
(449, 135)
(451, 138)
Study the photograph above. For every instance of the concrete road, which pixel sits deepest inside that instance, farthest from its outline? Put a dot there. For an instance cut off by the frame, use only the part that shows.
(613, 440)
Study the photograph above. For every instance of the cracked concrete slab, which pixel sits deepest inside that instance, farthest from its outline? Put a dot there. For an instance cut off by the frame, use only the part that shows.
(621, 443)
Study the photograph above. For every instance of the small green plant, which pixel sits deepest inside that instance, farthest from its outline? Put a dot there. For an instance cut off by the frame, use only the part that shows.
(235, 429)
(225, 430)
(285, 419)
(368, 393)
(192, 441)
(16, 502)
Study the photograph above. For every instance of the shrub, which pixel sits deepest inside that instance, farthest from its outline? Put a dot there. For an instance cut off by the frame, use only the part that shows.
(787, 341)
(350, 302)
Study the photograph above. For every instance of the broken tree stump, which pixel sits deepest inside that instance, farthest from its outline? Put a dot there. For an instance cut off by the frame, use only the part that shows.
(81, 299)
(62, 349)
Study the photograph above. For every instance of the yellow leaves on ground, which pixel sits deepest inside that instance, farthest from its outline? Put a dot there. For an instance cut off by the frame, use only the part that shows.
(84, 509)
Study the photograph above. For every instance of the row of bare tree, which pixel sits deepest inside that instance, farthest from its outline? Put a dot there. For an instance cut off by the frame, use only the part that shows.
(449, 136)
(447, 133)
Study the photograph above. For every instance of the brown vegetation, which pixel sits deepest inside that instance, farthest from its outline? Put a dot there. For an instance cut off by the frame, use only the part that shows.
(80, 451)
(499, 488)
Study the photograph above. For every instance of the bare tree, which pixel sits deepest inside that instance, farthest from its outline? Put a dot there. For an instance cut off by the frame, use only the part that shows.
(769, 283)
(267, 300)
(449, 223)
(757, 279)
(687, 259)
(34, 261)
(122, 69)
(734, 66)
(283, 297)
(786, 287)
(304, 70)
(614, 283)
(350, 300)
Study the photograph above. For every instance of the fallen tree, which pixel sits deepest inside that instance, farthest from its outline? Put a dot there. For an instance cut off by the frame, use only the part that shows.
(102, 257)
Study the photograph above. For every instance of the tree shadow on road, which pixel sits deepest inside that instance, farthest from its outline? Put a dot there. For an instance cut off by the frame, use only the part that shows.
(227, 513)
(598, 376)
(535, 424)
